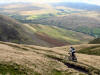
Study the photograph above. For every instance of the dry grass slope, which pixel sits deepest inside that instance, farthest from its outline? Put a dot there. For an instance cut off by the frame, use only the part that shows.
(21, 59)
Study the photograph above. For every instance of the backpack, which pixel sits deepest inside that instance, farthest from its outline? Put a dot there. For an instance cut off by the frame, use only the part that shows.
(73, 50)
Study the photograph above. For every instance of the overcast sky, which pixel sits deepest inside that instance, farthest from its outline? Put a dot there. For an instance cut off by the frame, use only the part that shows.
(97, 2)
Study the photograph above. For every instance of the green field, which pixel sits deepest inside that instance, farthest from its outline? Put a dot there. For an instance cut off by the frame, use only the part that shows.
(40, 16)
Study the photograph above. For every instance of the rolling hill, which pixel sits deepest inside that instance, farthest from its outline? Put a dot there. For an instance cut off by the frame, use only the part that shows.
(95, 41)
(38, 41)
(78, 23)
(26, 8)
(61, 15)
(19, 59)
(13, 31)
(92, 50)
(69, 36)
(78, 5)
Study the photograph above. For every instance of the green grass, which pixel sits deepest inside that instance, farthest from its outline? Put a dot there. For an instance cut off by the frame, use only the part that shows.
(61, 34)
(93, 50)
(87, 30)
(7, 69)
(15, 69)
(23, 34)
(54, 32)
(40, 16)
(59, 13)
(56, 72)
(95, 41)
(32, 17)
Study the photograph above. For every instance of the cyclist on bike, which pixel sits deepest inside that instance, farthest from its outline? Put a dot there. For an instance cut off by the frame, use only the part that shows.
(72, 52)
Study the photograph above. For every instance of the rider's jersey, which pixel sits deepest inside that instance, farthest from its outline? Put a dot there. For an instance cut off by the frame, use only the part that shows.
(72, 50)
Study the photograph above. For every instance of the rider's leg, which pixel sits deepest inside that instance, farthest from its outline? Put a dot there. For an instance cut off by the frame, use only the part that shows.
(73, 56)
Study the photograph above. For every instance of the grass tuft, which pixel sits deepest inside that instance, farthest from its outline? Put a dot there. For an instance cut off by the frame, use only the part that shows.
(93, 50)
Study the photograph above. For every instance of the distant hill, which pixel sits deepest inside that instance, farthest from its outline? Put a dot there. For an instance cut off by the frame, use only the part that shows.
(8, 29)
(95, 41)
(13, 31)
(92, 50)
(83, 24)
(26, 9)
(83, 6)
(20, 7)
(50, 36)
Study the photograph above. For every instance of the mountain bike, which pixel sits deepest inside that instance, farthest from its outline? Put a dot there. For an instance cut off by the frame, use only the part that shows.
(70, 57)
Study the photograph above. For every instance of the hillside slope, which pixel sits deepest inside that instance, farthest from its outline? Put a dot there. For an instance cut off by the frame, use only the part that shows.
(13, 31)
(63, 36)
(74, 22)
(79, 5)
(95, 41)
(35, 60)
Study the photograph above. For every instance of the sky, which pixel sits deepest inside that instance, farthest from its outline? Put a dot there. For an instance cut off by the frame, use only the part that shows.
(97, 2)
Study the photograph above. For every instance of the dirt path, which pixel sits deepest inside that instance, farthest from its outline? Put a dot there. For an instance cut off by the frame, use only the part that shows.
(92, 60)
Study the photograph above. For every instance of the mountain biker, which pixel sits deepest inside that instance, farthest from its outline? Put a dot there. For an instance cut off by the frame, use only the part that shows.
(72, 52)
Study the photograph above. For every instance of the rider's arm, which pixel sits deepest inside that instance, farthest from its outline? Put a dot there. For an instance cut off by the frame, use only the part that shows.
(70, 50)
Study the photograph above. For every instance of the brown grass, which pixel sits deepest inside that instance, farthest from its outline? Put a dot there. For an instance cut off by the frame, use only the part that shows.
(39, 58)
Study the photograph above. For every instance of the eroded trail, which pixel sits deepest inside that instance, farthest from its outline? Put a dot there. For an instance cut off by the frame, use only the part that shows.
(81, 67)
(92, 60)
(72, 65)
(86, 63)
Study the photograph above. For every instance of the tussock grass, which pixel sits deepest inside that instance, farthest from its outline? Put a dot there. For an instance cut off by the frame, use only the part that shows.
(14, 46)
(93, 50)
(40, 61)
(12, 69)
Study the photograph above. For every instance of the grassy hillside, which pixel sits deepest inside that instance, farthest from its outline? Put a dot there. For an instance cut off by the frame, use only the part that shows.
(93, 50)
(95, 41)
(26, 9)
(70, 37)
(13, 31)
(8, 29)
(21, 59)
(30, 11)
(59, 15)
(79, 5)
(30, 60)
(77, 23)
